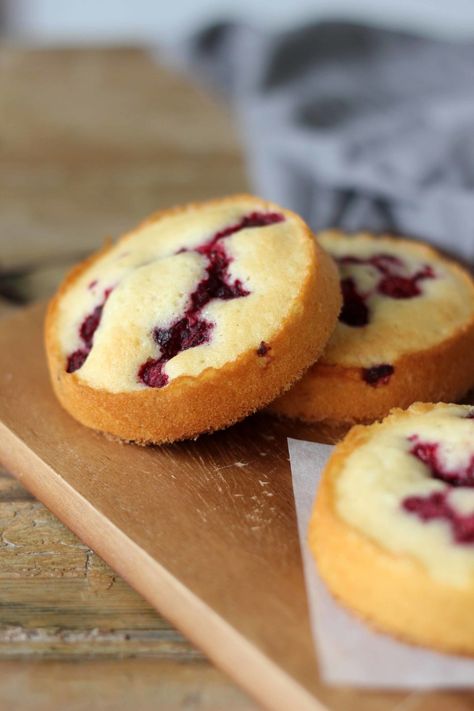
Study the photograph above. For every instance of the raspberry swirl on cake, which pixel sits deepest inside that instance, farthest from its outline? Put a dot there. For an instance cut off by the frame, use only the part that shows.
(193, 320)
(393, 525)
(405, 333)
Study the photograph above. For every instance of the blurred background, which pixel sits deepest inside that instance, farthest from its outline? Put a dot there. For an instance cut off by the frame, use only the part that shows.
(146, 21)
(110, 110)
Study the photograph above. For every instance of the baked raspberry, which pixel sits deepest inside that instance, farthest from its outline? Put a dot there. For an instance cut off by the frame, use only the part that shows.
(400, 287)
(76, 359)
(393, 282)
(182, 347)
(86, 332)
(378, 374)
(406, 309)
(437, 506)
(191, 329)
(394, 521)
(431, 454)
(263, 349)
(355, 311)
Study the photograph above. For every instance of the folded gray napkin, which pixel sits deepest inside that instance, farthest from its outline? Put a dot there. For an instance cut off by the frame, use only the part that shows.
(351, 126)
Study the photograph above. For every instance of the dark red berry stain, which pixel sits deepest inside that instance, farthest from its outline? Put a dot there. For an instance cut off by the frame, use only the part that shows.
(76, 360)
(430, 453)
(86, 332)
(263, 349)
(400, 287)
(378, 374)
(355, 311)
(437, 505)
(392, 283)
(191, 329)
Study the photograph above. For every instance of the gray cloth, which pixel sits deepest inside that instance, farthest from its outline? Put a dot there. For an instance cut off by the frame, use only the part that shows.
(352, 126)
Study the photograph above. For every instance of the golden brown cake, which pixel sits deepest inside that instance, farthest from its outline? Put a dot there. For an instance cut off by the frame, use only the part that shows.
(393, 525)
(195, 319)
(405, 333)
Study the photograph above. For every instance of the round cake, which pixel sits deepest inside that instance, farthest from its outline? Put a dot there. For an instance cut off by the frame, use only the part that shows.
(405, 333)
(190, 322)
(392, 529)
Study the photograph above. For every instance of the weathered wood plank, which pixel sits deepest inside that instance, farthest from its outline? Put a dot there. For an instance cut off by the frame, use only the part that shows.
(92, 141)
(120, 685)
(50, 581)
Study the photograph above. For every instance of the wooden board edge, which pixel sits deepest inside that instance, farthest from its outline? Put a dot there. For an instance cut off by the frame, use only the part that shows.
(270, 685)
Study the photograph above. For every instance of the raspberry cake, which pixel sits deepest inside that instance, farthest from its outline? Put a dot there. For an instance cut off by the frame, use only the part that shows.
(405, 333)
(393, 525)
(198, 317)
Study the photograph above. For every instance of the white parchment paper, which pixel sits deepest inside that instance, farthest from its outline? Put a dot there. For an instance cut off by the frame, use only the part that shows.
(349, 651)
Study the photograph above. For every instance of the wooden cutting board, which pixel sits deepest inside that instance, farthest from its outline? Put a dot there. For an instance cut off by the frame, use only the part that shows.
(204, 530)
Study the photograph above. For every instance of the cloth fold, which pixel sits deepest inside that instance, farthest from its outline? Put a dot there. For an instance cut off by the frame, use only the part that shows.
(351, 126)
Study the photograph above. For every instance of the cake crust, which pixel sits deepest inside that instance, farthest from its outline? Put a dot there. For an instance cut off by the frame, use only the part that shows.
(394, 593)
(216, 397)
(337, 395)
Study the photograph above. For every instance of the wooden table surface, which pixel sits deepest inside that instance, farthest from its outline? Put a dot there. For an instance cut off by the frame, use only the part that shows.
(91, 141)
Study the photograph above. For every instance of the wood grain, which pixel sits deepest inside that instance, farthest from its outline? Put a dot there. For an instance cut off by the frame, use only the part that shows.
(118, 685)
(59, 602)
(92, 140)
(204, 530)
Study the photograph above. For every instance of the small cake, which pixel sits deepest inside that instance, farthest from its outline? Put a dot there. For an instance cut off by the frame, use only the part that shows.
(190, 322)
(405, 333)
(392, 529)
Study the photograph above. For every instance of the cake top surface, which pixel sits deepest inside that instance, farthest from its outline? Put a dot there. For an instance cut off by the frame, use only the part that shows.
(189, 289)
(409, 487)
(399, 297)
